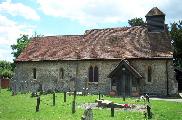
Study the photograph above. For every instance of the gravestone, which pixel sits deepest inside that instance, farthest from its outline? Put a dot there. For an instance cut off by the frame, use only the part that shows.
(88, 114)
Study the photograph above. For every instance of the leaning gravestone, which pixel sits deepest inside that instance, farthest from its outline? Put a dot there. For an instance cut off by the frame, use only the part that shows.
(88, 114)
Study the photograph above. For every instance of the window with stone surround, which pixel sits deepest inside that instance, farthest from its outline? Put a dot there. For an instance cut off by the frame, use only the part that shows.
(34, 73)
(93, 74)
(96, 74)
(149, 79)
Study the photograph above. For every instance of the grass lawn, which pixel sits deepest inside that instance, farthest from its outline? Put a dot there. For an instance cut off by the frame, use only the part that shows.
(22, 107)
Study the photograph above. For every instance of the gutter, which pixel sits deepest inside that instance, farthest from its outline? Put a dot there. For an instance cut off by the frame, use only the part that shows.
(94, 59)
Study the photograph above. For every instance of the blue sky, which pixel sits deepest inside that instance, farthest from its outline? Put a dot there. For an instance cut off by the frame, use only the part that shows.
(60, 17)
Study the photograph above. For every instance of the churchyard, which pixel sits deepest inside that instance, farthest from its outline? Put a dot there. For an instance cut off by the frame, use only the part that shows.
(24, 107)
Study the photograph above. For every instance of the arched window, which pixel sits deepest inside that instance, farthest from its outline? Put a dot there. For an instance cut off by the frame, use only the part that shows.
(34, 73)
(149, 74)
(61, 73)
(91, 74)
(96, 74)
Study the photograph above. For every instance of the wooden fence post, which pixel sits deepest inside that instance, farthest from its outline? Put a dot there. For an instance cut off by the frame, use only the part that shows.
(149, 112)
(112, 110)
(73, 107)
(38, 104)
(64, 96)
(74, 95)
(54, 99)
(73, 103)
(99, 95)
(123, 98)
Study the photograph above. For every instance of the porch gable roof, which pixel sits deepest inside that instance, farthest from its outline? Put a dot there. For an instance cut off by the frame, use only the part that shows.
(128, 67)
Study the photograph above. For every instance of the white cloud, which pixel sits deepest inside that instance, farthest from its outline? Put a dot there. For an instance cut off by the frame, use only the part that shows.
(5, 54)
(10, 30)
(91, 12)
(18, 9)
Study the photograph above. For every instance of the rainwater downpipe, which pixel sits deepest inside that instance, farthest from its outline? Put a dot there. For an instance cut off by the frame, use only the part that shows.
(167, 84)
(76, 69)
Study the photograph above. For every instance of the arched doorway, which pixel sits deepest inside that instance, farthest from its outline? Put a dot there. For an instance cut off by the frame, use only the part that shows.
(124, 78)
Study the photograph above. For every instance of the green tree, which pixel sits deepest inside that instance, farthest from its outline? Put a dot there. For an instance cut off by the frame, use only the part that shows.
(176, 35)
(5, 69)
(20, 45)
(136, 22)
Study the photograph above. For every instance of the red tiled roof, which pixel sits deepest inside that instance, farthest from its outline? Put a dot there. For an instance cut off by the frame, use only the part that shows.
(110, 43)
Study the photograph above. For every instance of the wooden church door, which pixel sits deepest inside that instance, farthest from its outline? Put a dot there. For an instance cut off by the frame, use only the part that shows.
(124, 85)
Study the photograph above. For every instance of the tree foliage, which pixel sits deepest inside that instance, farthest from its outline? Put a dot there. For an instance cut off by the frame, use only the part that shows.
(5, 69)
(176, 35)
(20, 45)
(136, 22)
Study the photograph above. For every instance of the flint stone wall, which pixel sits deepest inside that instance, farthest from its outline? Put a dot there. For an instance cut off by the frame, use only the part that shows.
(48, 76)
(158, 84)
